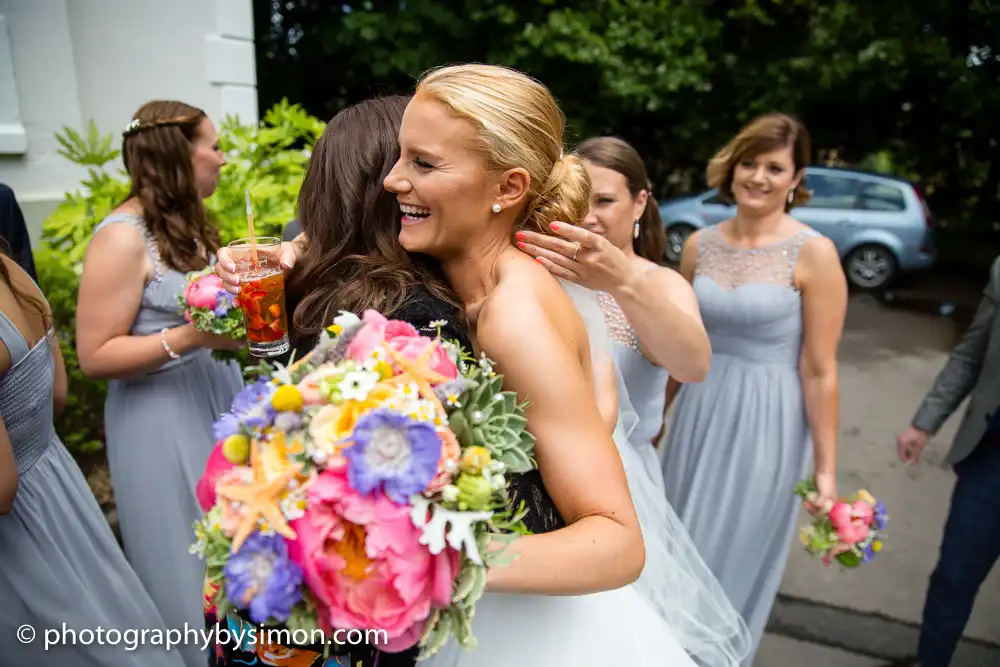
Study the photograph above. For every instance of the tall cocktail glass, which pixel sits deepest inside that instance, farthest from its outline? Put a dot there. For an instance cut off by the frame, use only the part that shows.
(262, 295)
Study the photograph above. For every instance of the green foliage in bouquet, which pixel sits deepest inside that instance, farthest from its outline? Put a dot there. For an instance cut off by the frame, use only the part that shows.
(819, 537)
(269, 158)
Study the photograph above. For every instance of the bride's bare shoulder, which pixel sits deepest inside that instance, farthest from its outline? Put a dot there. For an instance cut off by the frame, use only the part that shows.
(527, 303)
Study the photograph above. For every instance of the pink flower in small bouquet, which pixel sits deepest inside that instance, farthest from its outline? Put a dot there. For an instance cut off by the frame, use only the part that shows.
(206, 304)
(203, 292)
(849, 532)
(851, 521)
(362, 488)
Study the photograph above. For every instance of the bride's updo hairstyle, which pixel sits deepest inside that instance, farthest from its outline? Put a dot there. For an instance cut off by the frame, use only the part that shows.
(518, 124)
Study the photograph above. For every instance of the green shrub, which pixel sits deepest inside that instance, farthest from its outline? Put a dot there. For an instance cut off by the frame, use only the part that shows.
(269, 158)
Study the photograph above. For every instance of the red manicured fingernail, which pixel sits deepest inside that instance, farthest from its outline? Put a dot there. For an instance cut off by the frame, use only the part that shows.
(538, 259)
(520, 245)
(519, 235)
(554, 225)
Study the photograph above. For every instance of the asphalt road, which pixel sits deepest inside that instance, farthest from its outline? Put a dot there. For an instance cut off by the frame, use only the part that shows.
(826, 617)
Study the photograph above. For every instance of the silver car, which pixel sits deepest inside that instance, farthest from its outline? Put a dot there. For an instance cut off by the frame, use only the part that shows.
(880, 224)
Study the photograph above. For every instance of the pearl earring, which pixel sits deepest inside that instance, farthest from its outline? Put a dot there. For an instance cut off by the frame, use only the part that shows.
(635, 230)
(791, 196)
(496, 208)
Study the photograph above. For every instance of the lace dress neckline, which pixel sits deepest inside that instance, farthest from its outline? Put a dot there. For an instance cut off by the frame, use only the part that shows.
(731, 267)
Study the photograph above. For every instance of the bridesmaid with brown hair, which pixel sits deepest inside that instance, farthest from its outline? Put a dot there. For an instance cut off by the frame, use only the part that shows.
(165, 389)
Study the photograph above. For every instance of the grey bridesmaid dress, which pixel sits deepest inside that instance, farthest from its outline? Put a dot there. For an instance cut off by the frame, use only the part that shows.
(645, 383)
(159, 437)
(739, 441)
(60, 566)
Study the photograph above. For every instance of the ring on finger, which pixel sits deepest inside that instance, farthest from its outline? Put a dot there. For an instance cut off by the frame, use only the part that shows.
(575, 252)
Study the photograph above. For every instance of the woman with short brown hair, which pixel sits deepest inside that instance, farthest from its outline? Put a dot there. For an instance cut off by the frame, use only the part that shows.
(773, 297)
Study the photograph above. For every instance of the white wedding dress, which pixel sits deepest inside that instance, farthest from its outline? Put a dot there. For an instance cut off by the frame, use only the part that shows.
(674, 615)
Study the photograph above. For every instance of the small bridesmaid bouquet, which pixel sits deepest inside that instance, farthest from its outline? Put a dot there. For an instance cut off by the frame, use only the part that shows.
(207, 305)
(848, 531)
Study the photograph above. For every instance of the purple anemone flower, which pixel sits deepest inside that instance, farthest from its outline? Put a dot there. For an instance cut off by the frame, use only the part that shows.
(393, 452)
(261, 577)
(881, 515)
(252, 395)
(251, 409)
(223, 303)
(226, 425)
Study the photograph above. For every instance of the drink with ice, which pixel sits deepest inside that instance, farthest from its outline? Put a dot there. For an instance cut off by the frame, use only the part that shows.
(262, 295)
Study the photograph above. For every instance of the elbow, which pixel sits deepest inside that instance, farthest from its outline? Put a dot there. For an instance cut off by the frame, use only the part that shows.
(90, 366)
(819, 375)
(696, 368)
(633, 559)
(692, 375)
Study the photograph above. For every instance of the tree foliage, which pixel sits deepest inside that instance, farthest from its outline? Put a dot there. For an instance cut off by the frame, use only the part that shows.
(907, 87)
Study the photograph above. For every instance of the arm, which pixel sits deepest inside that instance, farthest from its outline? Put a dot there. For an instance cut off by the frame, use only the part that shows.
(60, 389)
(24, 283)
(689, 262)
(607, 391)
(961, 373)
(601, 547)
(659, 306)
(8, 471)
(114, 274)
(663, 309)
(824, 307)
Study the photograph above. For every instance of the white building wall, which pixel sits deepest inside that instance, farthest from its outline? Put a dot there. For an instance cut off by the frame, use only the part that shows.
(76, 60)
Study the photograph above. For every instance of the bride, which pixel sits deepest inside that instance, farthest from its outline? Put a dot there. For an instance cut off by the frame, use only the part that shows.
(609, 573)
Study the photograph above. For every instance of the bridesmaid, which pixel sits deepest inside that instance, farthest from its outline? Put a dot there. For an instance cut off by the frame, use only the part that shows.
(773, 297)
(165, 388)
(59, 562)
(651, 311)
(352, 261)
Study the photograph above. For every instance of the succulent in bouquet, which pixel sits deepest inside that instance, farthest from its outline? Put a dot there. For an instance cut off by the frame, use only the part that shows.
(366, 486)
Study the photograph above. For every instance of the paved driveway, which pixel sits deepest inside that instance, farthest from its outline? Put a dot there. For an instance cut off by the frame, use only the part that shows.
(889, 358)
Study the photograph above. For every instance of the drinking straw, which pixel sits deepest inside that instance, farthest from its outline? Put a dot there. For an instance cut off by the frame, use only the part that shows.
(253, 236)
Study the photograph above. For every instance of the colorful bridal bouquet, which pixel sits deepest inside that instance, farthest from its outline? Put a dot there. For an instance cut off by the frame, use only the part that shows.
(206, 304)
(848, 531)
(365, 487)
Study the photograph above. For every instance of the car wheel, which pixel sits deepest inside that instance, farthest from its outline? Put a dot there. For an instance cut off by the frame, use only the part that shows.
(677, 235)
(870, 267)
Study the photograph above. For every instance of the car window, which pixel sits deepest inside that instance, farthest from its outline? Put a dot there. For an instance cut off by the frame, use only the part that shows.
(832, 191)
(881, 197)
(716, 199)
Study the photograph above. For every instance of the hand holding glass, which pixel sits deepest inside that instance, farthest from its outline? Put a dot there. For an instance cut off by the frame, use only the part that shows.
(262, 294)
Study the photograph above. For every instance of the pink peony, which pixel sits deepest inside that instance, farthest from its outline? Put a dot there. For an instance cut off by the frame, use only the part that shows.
(851, 521)
(203, 292)
(401, 337)
(217, 466)
(364, 563)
